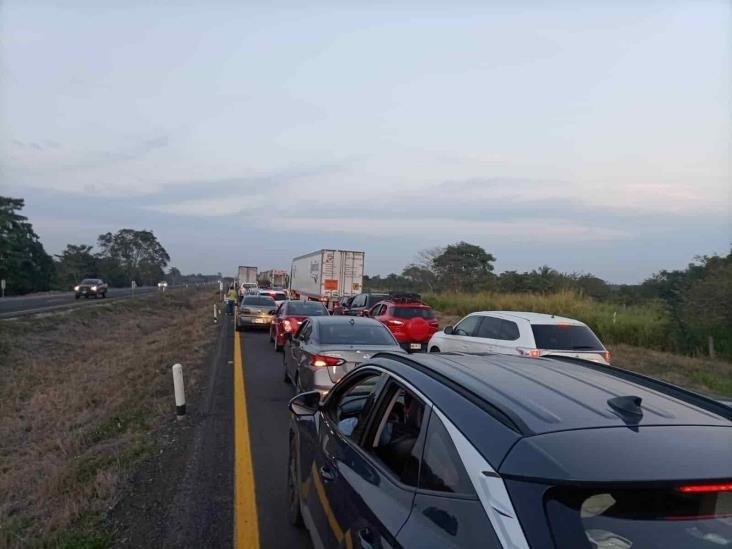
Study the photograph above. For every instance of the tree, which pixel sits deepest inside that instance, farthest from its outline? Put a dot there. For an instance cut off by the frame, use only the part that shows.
(132, 255)
(463, 266)
(24, 264)
(75, 263)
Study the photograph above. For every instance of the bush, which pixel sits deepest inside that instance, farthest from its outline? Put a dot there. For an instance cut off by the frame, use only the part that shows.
(648, 325)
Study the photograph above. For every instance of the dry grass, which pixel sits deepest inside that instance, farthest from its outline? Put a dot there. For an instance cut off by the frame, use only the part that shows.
(698, 374)
(81, 395)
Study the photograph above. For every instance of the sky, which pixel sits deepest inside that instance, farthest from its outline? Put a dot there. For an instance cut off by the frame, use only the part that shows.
(592, 136)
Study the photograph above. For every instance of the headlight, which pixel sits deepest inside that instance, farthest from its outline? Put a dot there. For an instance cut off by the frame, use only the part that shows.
(94, 288)
(76, 288)
(245, 311)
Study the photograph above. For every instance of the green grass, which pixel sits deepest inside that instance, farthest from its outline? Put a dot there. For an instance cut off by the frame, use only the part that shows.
(643, 326)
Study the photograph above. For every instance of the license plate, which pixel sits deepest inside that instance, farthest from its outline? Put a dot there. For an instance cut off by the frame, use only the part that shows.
(259, 321)
(414, 346)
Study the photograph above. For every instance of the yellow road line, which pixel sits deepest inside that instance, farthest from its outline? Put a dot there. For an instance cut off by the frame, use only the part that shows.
(246, 526)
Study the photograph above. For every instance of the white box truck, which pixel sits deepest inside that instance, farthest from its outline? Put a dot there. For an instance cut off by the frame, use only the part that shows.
(273, 278)
(327, 276)
(247, 277)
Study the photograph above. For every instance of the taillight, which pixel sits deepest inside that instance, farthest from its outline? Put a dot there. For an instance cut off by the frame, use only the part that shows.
(705, 488)
(321, 361)
(533, 353)
(606, 356)
(394, 323)
(286, 326)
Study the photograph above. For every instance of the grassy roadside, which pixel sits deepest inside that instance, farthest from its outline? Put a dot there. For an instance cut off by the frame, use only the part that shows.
(698, 374)
(82, 394)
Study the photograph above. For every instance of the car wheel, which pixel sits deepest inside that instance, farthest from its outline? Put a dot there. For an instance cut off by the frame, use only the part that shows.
(77, 296)
(293, 486)
(271, 338)
(434, 350)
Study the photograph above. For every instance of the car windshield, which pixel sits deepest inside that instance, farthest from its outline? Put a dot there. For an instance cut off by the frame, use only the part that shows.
(259, 301)
(306, 308)
(565, 337)
(279, 296)
(90, 281)
(637, 518)
(357, 333)
(413, 312)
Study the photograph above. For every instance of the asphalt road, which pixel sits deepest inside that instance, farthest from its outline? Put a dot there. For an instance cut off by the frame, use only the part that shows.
(267, 397)
(41, 303)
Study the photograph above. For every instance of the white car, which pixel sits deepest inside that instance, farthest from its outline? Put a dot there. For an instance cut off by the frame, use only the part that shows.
(278, 295)
(518, 333)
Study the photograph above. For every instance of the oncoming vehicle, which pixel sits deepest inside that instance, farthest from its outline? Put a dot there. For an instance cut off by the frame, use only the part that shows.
(412, 322)
(325, 348)
(463, 451)
(91, 287)
(518, 333)
(255, 310)
(289, 317)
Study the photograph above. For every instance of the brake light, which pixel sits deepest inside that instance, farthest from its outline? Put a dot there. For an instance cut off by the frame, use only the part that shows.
(705, 488)
(321, 361)
(394, 323)
(286, 326)
(606, 356)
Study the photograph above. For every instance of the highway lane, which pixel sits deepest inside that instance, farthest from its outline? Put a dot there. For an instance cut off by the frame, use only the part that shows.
(41, 303)
(268, 417)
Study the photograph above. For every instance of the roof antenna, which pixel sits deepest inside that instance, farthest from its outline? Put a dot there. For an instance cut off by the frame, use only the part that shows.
(628, 408)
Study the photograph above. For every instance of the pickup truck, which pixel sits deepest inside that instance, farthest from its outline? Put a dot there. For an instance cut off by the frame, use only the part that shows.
(91, 286)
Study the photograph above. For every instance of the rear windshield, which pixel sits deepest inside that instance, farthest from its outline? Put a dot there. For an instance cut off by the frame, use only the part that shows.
(355, 334)
(412, 312)
(564, 337)
(642, 519)
(258, 301)
(306, 308)
(279, 296)
(90, 281)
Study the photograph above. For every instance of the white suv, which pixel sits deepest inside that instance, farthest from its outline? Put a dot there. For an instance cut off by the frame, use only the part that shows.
(517, 333)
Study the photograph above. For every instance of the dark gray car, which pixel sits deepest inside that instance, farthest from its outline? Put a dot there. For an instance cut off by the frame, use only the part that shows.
(325, 348)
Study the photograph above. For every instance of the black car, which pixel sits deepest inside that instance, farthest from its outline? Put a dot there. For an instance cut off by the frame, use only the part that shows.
(362, 303)
(453, 450)
(91, 286)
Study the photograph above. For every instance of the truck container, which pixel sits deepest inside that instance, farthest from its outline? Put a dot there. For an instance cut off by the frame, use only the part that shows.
(247, 277)
(327, 275)
(273, 278)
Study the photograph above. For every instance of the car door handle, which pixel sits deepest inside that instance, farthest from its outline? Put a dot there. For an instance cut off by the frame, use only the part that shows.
(366, 539)
(327, 474)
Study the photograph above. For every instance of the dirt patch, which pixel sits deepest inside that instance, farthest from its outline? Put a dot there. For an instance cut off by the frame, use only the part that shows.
(84, 397)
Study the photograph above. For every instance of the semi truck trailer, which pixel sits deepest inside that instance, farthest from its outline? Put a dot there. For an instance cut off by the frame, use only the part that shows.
(327, 276)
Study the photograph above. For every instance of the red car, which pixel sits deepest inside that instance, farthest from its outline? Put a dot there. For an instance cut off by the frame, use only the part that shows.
(289, 317)
(410, 321)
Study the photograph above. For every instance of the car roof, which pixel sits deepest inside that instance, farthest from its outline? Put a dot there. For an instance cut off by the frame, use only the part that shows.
(342, 319)
(529, 416)
(543, 395)
(532, 318)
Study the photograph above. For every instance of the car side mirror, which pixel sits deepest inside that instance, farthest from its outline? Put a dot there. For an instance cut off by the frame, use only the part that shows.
(305, 404)
(449, 330)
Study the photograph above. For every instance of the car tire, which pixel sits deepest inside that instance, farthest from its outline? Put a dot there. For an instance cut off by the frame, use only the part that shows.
(77, 296)
(434, 349)
(294, 513)
(271, 339)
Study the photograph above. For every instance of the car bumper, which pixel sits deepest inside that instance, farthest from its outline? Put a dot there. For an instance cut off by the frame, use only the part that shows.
(413, 346)
(249, 320)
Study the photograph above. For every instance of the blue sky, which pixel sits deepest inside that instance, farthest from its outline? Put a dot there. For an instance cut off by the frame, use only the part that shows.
(591, 136)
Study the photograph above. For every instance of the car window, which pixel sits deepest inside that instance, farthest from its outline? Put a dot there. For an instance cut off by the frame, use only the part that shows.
(498, 328)
(258, 301)
(306, 308)
(350, 408)
(375, 298)
(358, 333)
(442, 469)
(378, 310)
(565, 337)
(396, 442)
(303, 334)
(468, 326)
(412, 312)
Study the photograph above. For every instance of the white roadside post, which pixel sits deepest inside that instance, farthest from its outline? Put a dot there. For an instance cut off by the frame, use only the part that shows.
(2, 287)
(134, 285)
(180, 394)
(215, 313)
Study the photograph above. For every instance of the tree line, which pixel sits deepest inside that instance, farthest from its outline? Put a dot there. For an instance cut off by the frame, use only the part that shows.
(697, 300)
(119, 258)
